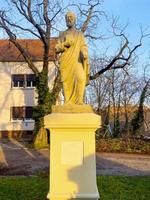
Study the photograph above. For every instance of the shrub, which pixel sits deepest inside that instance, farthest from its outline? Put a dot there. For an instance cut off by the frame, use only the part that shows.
(126, 145)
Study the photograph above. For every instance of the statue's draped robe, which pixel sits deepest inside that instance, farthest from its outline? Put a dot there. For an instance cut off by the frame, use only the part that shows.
(73, 67)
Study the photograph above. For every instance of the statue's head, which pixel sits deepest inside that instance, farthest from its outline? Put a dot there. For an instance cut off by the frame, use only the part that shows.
(70, 19)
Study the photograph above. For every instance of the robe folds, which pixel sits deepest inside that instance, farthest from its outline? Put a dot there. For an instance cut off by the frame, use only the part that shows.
(74, 67)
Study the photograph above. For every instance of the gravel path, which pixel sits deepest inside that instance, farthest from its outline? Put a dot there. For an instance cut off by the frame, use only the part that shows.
(123, 164)
(16, 159)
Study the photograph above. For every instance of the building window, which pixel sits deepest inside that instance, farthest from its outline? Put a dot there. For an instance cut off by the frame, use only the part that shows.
(28, 112)
(21, 113)
(30, 80)
(23, 80)
(17, 113)
(17, 80)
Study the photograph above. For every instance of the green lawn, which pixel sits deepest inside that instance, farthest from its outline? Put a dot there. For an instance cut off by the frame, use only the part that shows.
(110, 187)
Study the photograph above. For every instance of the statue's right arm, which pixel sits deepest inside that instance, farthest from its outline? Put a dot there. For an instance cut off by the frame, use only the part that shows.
(60, 47)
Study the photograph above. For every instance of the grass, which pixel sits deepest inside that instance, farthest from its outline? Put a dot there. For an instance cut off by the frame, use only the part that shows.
(110, 188)
(23, 188)
(124, 188)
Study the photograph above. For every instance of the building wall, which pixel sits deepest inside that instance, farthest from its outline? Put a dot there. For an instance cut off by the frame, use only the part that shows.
(17, 96)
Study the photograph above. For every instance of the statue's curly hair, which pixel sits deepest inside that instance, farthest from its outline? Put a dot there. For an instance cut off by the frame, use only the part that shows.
(70, 13)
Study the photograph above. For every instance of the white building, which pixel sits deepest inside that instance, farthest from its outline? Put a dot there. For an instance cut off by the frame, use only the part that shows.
(17, 86)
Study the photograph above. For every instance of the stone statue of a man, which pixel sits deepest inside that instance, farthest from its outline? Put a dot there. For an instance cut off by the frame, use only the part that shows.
(74, 65)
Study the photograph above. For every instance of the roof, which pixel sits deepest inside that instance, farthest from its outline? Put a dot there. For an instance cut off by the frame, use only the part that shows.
(9, 53)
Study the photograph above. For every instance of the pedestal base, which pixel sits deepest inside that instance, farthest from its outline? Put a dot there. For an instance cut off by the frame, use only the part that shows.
(72, 155)
(72, 199)
(86, 198)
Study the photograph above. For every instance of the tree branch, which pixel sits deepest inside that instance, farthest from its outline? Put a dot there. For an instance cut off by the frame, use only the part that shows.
(12, 38)
(113, 64)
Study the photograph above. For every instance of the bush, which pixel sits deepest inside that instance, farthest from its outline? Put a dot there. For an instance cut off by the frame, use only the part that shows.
(126, 145)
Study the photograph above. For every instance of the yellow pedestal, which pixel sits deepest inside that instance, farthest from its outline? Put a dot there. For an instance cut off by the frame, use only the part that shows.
(72, 155)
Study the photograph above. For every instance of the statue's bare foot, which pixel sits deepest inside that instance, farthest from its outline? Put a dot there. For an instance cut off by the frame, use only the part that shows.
(68, 104)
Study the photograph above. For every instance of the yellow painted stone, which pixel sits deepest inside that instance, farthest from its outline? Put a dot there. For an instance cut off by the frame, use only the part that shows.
(72, 155)
(85, 108)
(72, 52)
(70, 148)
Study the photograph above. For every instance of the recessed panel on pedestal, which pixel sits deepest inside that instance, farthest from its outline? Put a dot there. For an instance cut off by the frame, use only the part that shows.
(72, 153)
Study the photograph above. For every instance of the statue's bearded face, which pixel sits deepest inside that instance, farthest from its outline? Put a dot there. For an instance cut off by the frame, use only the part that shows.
(70, 19)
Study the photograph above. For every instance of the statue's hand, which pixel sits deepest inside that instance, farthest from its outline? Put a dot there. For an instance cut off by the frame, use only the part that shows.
(85, 54)
(68, 42)
(63, 46)
(59, 47)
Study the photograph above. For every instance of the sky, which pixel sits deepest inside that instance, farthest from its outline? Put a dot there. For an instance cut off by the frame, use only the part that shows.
(135, 13)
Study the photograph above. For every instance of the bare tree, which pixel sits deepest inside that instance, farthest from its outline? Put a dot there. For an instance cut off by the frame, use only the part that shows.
(114, 95)
(139, 118)
(39, 19)
(126, 53)
(130, 92)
